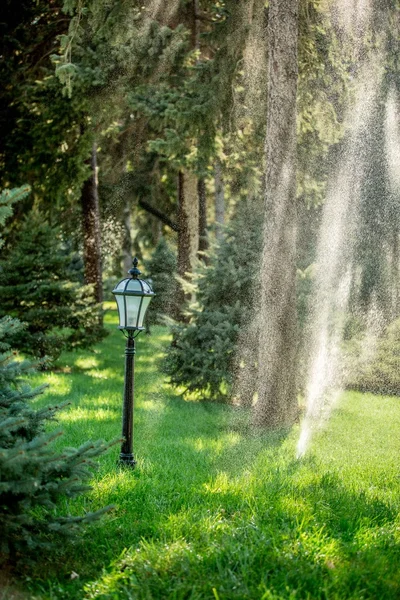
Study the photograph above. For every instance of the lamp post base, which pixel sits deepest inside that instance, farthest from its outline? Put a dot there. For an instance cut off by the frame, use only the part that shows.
(127, 460)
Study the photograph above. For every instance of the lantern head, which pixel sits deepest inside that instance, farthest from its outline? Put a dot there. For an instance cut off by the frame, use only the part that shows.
(133, 296)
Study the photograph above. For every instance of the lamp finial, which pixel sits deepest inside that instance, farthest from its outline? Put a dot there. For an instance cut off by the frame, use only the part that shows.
(134, 272)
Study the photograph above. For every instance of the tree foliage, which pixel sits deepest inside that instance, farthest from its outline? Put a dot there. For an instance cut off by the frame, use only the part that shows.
(204, 358)
(372, 362)
(7, 199)
(33, 477)
(40, 287)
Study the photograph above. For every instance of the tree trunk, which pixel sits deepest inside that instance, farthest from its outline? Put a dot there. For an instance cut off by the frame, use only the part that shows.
(188, 226)
(277, 360)
(395, 274)
(127, 237)
(201, 185)
(219, 201)
(203, 234)
(188, 191)
(91, 230)
(196, 25)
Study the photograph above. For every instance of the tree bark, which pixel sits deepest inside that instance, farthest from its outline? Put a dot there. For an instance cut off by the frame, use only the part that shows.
(91, 230)
(188, 218)
(203, 234)
(219, 201)
(188, 226)
(201, 186)
(395, 274)
(127, 237)
(277, 360)
(188, 191)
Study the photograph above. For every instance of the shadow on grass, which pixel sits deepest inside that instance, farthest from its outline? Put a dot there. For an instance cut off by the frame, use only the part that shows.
(181, 448)
(183, 482)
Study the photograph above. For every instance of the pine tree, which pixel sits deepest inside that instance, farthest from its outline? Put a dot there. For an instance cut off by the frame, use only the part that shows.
(212, 352)
(38, 287)
(7, 199)
(32, 476)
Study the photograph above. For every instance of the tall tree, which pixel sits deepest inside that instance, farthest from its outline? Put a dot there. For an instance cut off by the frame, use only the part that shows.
(219, 201)
(277, 403)
(46, 137)
(91, 229)
(188, 226)
(203, 233)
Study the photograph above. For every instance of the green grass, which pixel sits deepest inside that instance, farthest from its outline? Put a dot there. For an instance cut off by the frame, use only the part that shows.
(216, 510)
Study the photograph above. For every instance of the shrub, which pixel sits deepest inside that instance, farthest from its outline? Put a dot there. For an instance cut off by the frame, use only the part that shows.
(204, 357)
(40, 286)
(214, 355)
(7, 199)
(32, 476)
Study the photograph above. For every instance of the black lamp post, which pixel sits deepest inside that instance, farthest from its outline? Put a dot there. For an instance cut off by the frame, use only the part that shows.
(133, 296)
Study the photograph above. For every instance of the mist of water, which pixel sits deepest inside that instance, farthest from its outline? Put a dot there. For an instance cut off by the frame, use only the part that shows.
(336, 269)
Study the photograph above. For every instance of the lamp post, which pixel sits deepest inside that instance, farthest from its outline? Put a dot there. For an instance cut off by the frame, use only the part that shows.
(133, 296)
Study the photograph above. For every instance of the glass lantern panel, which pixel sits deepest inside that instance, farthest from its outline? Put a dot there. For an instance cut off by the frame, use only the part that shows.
(132, 310)
(121, 310)
(145, 304)
(146, 287)
(121, 286)
(133, 286)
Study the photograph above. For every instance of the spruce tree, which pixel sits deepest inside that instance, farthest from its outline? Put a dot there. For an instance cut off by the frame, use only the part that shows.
(39, 287)
(212, 351)
(32, 476)
(7, 199)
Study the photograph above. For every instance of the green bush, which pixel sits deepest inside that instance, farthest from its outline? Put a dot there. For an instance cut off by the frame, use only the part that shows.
(204, 357)
(32, 476)
(40, 286)
(7, 199)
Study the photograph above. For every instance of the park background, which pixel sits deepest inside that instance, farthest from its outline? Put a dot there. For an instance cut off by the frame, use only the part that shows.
(247, 154)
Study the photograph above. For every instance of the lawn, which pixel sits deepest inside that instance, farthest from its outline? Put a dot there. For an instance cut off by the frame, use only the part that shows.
(215, 509)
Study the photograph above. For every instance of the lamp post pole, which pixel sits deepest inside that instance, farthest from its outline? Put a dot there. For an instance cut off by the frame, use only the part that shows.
(133, 296)
(126, 456)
